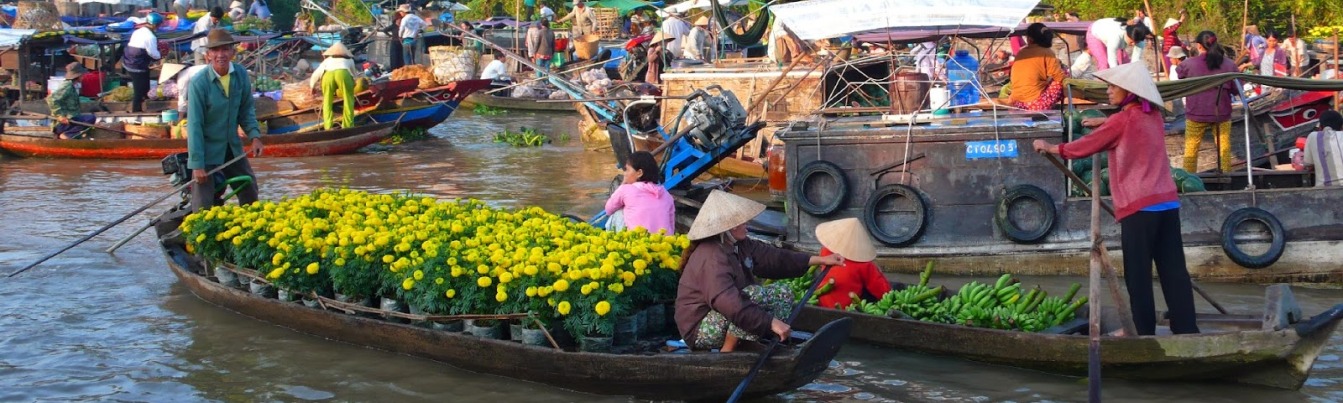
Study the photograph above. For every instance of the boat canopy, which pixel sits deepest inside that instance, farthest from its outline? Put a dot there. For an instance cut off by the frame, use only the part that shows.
(623, 6)
(904, 35)
(1094, 90)
(822, 19)
(10, 37)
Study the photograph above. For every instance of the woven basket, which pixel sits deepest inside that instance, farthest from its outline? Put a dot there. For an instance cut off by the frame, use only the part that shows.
(608, 22)
(149, 132)
(585, 47)
(39, 15)
(101, 132)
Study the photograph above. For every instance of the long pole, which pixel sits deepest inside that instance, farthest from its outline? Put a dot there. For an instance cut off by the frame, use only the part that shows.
(1244, 23)
(122, 219)
(1094, 296)
(1156, 50)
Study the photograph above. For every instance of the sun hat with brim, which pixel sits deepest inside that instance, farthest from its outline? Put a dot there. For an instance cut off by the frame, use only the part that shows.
(1175, 52)
(219, 37)
(169, 70)
(338, 50)
(405, 8)
(848, 238)
(722, 211)
(1170, 22)
(659, 38)
(1135, 78)
(75, 70)
(702, 21)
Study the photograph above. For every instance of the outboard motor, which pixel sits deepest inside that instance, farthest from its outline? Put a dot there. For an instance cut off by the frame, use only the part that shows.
(711, 117)
(175, 166)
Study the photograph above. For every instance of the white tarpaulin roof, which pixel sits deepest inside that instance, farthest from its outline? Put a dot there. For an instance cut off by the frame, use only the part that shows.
(702, 5)
(140, 3)
(820, 19)
(10, 37)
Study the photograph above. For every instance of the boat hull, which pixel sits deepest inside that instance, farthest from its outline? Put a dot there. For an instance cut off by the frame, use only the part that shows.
(693, 376)
(310, 144)
(1280, 359)
(511, 103)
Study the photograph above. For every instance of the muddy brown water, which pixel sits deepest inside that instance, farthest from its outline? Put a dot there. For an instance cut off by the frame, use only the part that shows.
(89, 326)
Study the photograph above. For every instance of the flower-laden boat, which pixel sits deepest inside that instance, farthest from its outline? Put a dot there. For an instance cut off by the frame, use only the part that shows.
(450, 260)
(332, 142)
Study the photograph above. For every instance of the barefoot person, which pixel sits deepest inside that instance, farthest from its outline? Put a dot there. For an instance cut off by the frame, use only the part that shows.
(719, 300)
(219, 102)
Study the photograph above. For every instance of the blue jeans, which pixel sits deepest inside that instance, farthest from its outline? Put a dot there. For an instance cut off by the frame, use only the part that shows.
(408, 51)
(71, 130)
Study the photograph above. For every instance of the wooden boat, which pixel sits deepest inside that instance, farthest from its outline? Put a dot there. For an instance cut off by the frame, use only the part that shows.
(373, 98)
(517, 104)
(1235, 348)
(662, 376)
(426, 108)
(343, 141)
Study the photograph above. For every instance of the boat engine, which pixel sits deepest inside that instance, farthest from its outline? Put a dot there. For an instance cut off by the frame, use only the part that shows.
(175, 166)
(709, 118)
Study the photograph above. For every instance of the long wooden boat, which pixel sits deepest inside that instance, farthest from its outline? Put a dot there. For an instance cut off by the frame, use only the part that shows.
(1234, 348)
(517, 104)
(373, 98)
(342, 141)
(661, 376)
(426, 108)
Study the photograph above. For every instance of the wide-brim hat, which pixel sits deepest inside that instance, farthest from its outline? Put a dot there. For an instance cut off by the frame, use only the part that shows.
(1135, 78)
(405, 8)
(75, 70)
(169, 70)
(702, 21)
(1175, 52)
(219, 37)
(339, 50)
(659, 38)
(1170, 22)
(235, 4)
(722, 211)
(848, 238)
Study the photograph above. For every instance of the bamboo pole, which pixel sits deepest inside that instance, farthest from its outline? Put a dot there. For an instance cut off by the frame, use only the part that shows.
(1156, 50)
(1093, 296)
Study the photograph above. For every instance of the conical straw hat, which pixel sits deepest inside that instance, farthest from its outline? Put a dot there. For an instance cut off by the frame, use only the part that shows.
(1135, 78)
(721, 212)
(848, 238)
(169, 70)
(338, 50)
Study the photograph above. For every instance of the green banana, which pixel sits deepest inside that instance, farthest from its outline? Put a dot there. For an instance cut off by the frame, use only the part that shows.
(1002, 280)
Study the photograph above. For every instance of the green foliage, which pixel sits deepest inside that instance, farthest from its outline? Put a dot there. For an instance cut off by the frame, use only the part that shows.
(283, 13)
(405, 136)
(353, 12)
(484, 110)
(526, 138)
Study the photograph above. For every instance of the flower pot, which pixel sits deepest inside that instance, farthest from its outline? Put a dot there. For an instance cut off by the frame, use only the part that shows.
(455, 326)
(392, 305)
(311, 302)
(415, 310)
(365, 301)
(654, 319)
(534, 337)
(594, 344)
(493, 330)
(226, 276)
(258, 287)
(515, 332)
(288, 296)
(626, 331)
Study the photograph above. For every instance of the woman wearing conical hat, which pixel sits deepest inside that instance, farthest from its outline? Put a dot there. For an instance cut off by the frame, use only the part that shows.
(336, 75)
(719, 300)
(858, 275)
(1146, 204)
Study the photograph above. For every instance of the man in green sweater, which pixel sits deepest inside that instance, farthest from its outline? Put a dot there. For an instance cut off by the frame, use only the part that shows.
(219, 102)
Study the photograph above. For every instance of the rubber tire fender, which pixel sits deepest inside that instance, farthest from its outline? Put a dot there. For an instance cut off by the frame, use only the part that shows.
(1017, 234)
(895, 239)
(800, 191)
(1233, 251)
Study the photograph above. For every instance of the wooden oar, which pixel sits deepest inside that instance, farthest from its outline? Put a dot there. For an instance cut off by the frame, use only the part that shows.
(123, 218)
(1059, 164)
(774, 342)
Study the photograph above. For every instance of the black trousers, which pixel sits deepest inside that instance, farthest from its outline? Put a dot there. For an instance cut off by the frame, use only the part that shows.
(139, 90)
(1154, 236)
(203, 192)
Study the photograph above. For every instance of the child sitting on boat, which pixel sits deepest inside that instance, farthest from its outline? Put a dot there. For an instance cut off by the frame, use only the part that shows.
(858, 276)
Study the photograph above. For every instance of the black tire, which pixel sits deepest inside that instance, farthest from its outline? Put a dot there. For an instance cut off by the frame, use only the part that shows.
(1276, 246)
(905, 235)
(1010, 229)
(829, 203)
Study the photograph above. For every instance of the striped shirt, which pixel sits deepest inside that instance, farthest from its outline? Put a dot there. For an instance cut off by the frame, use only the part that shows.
(1324, 151)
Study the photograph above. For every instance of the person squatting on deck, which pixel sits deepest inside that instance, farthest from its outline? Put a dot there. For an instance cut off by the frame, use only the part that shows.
(1037, 74)
(1210, 109)
(64, 104)
(336, 77)
(858, 276)
(1324, 150)
(141, 51)
(641, 201)
(1146, 204)
(219, 102)
(718, 299)
(1109, 38)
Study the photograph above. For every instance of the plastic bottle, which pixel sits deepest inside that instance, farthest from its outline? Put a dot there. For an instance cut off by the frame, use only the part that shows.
(963, 79)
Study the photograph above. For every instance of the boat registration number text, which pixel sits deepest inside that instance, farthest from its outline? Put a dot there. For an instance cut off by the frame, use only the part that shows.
(990, 149)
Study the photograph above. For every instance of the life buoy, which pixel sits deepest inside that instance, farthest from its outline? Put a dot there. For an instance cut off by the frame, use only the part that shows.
(1025, 193)
(1233, 251)
(880, 204)
(830, 200)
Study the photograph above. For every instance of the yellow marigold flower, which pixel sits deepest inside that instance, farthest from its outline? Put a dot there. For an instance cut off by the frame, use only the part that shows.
(616, 288)
(640, 264)
(419, 275)
(530, 270)
(388, 259)
(587, 289)
(483, 269)
(274, 274)
(531, 291)
(501, 297)
(561, 285)
(505, 277)
(450, 293)
(603, 308)
(275, 260)
(313, 268)
(543, 291)
(408, 283)
(340, 261)
(484, 282)
(563, 308)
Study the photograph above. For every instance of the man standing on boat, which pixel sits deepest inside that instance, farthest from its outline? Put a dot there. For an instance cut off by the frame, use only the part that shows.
(411, 25)
(219, 102)
(336, 77)
(675, 28)
(697, 46)
(141, 51)
(63, 104)
(585, 22)
(204, 25)
(540, 44)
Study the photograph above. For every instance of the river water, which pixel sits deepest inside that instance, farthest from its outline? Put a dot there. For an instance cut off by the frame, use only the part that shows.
(92, 326)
